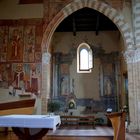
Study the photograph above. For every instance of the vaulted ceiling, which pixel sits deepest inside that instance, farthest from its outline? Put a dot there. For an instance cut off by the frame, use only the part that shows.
(86, 19)
(30, 1)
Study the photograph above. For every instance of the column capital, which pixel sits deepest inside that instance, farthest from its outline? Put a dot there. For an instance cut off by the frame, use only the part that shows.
(46, 56)
(129, 55)
(132, 56)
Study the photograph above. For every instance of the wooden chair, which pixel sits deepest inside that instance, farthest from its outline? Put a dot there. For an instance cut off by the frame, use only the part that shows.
(118, 124)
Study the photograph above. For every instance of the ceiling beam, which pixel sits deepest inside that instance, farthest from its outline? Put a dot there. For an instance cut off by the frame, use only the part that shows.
(86, 20)
(30, 1)
(97, 23)
(74, 25)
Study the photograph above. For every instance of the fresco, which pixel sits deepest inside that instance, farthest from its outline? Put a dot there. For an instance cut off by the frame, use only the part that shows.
(18, 75)
(20, 57)
(32, 77)
(64, 79)
(5, 75)
(15, 47)
(29, 43)
(38, 56)
(3, 43)
(27, 77)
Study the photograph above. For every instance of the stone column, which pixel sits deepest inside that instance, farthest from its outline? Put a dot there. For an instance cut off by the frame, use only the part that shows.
(133, 66)
(136, 20)
(45, 81)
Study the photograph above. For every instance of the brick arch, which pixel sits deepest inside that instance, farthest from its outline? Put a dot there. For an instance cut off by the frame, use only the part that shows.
(103, 8)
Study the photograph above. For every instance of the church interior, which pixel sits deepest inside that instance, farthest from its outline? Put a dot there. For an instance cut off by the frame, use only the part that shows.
(41, 43)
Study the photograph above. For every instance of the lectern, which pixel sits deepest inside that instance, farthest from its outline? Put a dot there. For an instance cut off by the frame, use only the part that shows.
(118, 124)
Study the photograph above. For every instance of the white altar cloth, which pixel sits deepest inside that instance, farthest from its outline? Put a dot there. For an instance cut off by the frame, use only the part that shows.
(30, 121)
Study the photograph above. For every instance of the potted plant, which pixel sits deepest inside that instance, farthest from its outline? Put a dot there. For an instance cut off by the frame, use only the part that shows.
(53, 106)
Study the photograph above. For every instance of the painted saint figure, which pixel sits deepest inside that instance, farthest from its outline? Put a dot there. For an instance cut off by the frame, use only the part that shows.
(18, 75)
(64, 86)
(16, 46)
(108, 87)
(15, 43)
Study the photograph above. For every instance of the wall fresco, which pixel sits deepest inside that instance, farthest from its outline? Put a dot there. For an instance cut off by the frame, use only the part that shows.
(29, 43)
(15, 47)
(27, 76)
(3, 43)
(5, 75)
(20, 57)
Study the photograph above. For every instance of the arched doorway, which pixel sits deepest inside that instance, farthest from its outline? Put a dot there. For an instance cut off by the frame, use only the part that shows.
(69, 9)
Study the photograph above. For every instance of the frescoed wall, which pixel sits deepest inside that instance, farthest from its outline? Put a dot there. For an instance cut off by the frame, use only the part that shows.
(3, 43)
(29, 44)
(20, 55)
(15, 44)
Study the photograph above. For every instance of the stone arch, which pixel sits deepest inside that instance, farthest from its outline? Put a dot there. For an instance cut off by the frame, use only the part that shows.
(103, 8)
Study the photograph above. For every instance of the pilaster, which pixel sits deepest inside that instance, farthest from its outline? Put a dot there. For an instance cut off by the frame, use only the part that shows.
(45, 81)
(133, 65)
(136, 20)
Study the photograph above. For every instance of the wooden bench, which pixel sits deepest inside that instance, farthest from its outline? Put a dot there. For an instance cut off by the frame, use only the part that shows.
(78, 121)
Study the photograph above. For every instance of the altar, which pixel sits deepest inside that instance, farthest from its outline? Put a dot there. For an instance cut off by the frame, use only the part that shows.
(30, 127)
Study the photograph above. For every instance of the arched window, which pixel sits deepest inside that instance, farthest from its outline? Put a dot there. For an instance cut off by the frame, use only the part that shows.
(84, 58)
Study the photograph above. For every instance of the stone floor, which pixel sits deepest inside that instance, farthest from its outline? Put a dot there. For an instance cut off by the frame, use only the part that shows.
(99, 133)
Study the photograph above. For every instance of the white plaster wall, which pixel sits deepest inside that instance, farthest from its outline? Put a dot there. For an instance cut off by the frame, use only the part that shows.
(109, 40)
(10, 9)
(86, 85)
